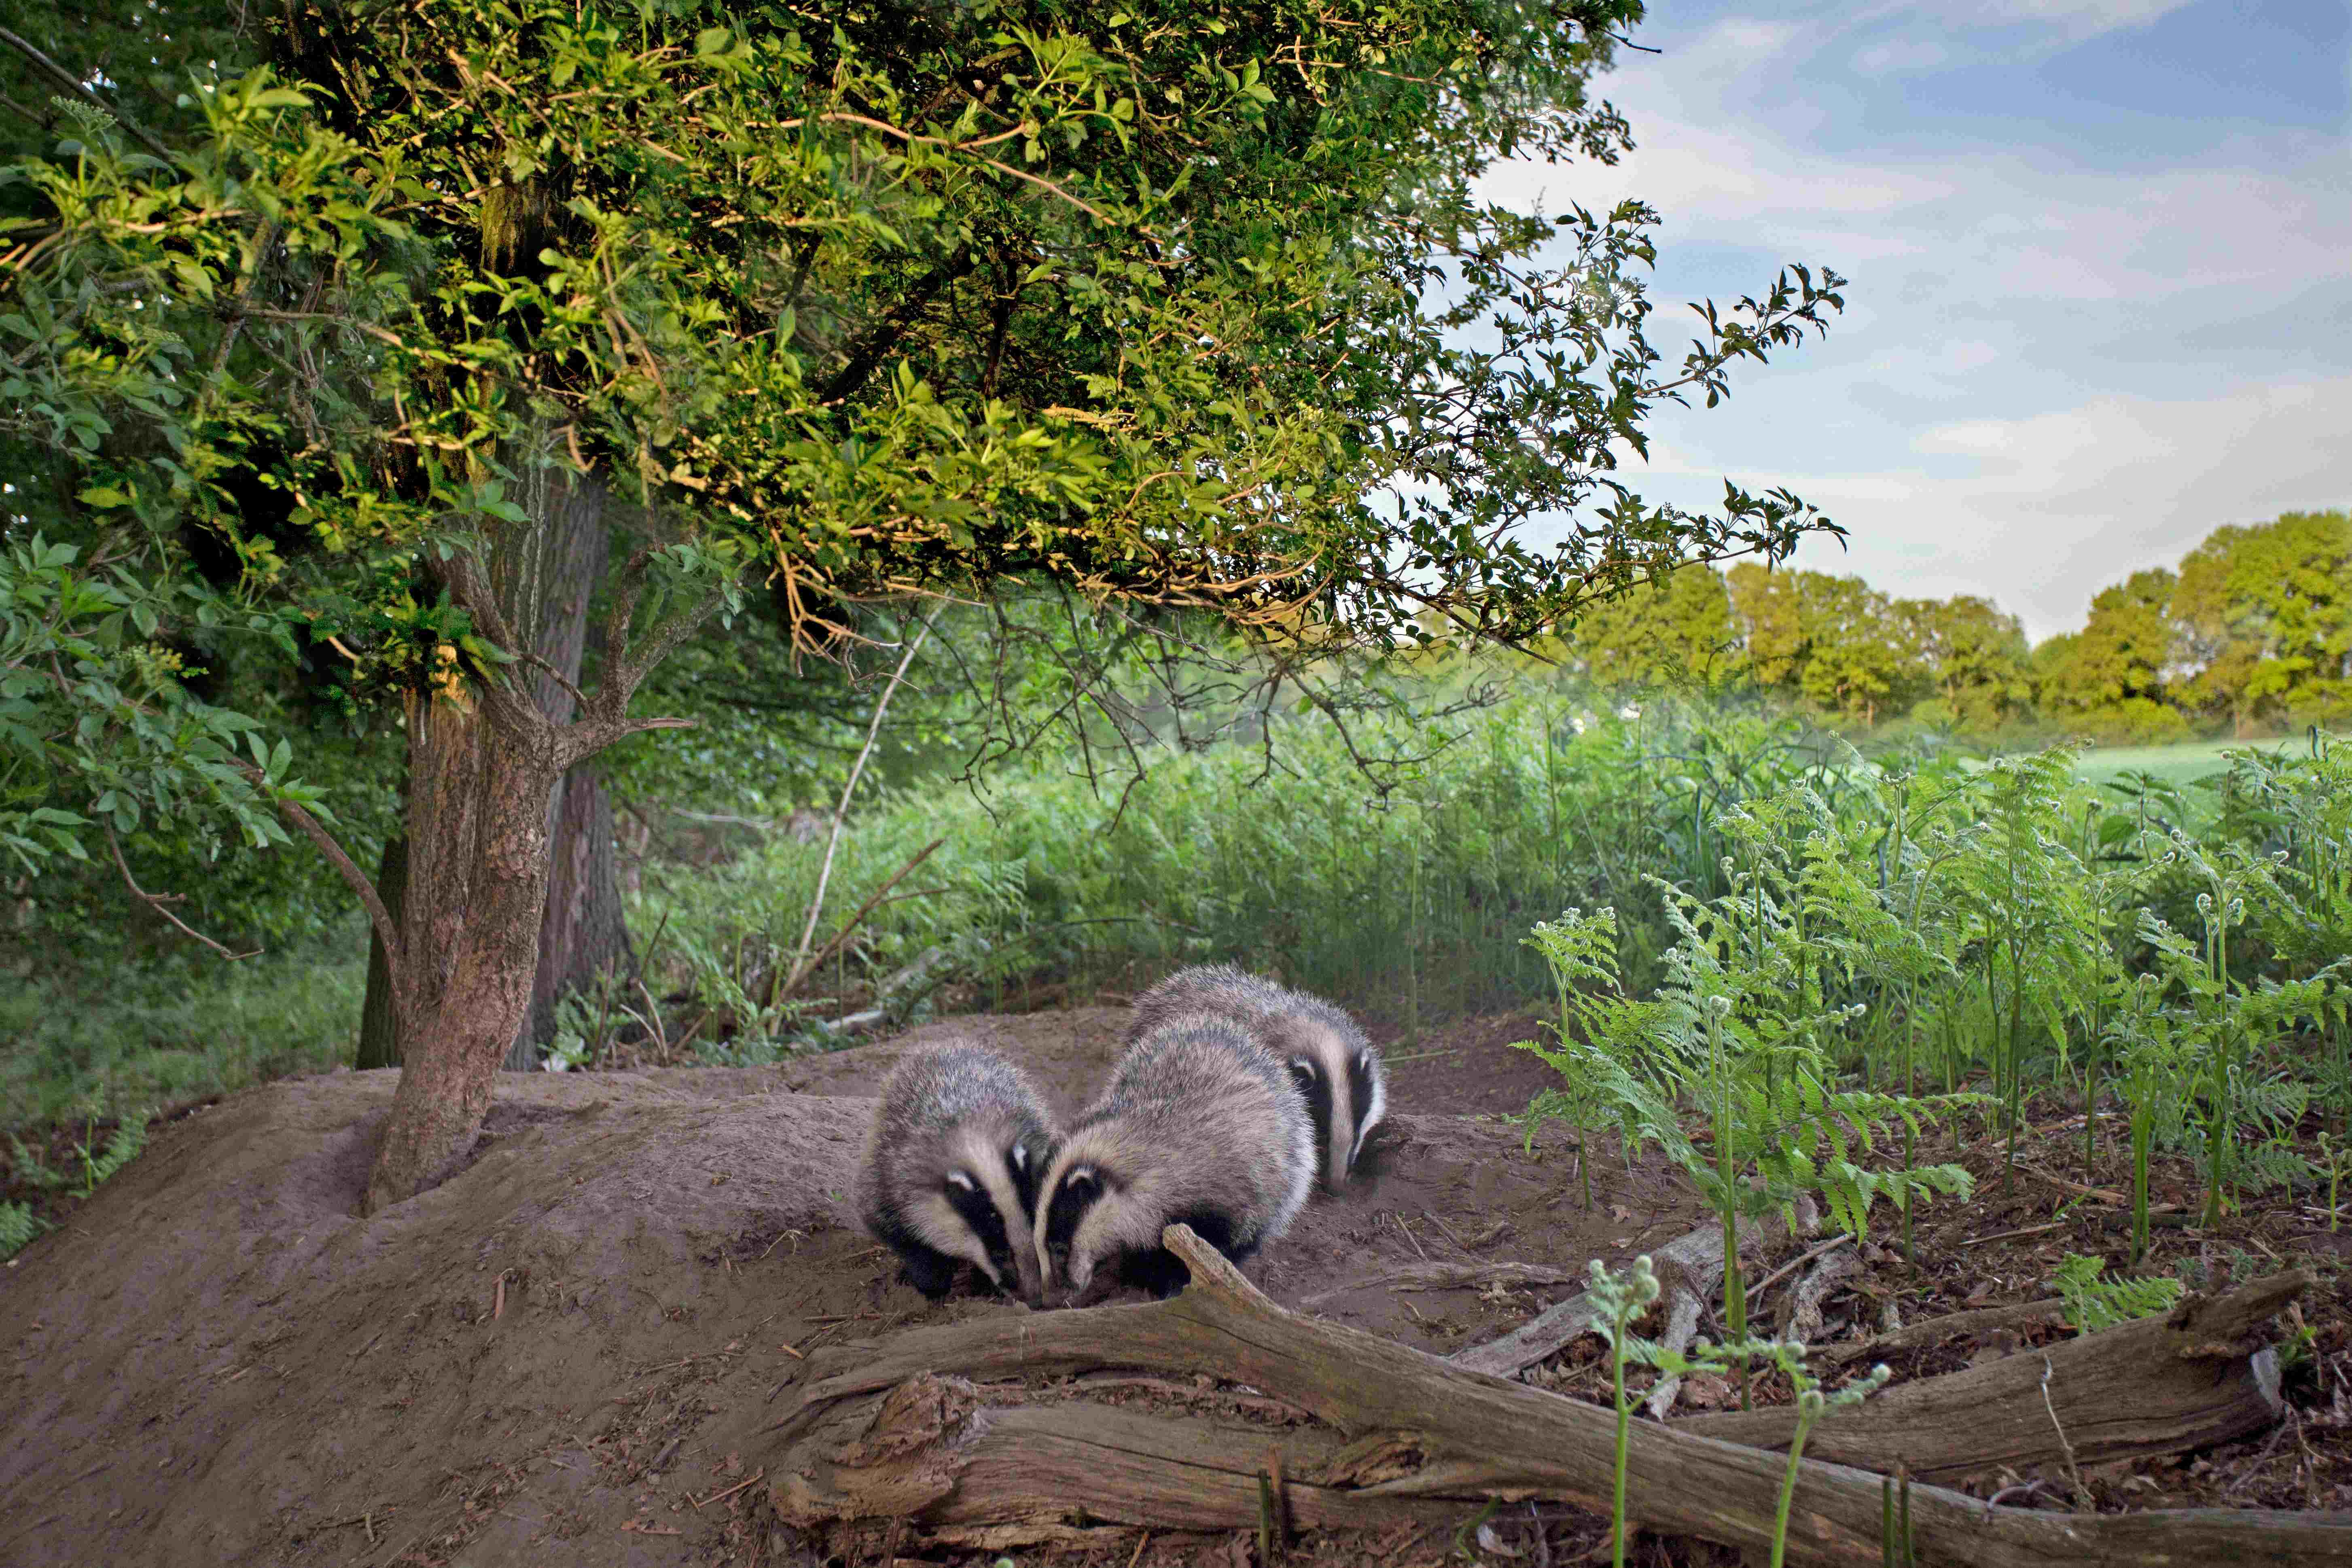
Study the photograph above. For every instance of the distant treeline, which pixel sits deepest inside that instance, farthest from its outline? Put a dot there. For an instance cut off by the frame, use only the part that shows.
(2253, 632)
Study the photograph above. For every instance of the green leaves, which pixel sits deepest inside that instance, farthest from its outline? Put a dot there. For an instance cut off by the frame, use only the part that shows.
(2093, 1303)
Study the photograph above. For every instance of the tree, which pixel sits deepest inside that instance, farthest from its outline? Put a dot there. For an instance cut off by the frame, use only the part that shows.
(1859, 654)
(1977, 657)
(2115, 671)
(1152, 305)
(1675, 632)
(1836, 642)
(1768, 614)
(2266, 616)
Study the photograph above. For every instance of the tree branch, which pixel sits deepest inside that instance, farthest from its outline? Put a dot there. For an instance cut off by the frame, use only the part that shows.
(157, 900)
(832, 842)
(73, 84)
(885, 334)
(463, 574)
(387, 931)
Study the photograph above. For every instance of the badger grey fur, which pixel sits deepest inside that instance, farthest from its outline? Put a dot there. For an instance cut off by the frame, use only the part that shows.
(1338, 1068)
(1199, 1124)
(951, 1168)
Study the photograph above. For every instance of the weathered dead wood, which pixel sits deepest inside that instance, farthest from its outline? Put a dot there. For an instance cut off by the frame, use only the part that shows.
(1952, 1325)
(2200, 1376)
(1406, 1430)
(1452, 1277)
(942, 1450)
(1801, 1314)
(1683, 1308)
(1691, 1264)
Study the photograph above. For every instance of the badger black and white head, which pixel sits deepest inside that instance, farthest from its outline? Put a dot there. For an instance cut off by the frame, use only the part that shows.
(952, 1167)
(1199, 1124)
(1336, 1067)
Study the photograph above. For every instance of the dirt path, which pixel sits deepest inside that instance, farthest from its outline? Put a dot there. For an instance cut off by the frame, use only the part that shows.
(550, 1357)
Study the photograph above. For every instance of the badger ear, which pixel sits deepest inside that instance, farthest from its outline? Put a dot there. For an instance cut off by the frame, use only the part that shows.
(1021, 1158)
(1081, 1179)
(958, 1179)
(1303, 1069)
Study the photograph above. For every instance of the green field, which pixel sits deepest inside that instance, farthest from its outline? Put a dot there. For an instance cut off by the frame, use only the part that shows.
(2181, 763)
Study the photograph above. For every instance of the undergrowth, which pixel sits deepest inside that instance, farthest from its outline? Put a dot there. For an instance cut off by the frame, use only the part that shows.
(79, 1044)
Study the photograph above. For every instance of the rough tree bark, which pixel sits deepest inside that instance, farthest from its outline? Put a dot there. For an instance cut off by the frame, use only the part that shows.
(580, 932)
(483, 770)
(379, 1025)
(584, 934)
(880, 1437)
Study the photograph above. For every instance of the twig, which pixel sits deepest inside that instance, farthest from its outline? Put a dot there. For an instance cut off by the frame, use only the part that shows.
(157, 901)
(781, 987)
(2077, 1188)
(1757, 1291)
(498, 1300)
(2246, 1476)
(386, 928)
(731, 1491)
(833, 840)
(1449, 1232)
(73, 84)
(2013, 1234)
(2073, 1471)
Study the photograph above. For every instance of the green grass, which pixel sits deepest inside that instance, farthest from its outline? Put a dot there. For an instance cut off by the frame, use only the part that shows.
(2178, 765)
(115, 1044)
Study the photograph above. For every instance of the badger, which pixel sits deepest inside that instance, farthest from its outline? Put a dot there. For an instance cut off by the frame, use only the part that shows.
(1336, 1067)
(951, 1168)
(1199, 1124)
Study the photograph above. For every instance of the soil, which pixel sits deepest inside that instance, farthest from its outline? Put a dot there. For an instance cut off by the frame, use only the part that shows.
(568, 1351)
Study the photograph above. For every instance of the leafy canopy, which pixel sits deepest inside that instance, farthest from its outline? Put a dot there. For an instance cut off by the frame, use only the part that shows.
(1187, 304)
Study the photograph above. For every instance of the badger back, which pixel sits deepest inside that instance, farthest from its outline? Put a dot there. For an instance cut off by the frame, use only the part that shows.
(1336, 1066)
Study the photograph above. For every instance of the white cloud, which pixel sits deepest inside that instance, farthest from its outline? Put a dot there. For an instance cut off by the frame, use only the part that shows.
(2077, 19)
(2060, 359)
(1896, 57)
(2042, 512)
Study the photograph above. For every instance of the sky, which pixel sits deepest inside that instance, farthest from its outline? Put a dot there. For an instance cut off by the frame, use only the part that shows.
(2100, 255)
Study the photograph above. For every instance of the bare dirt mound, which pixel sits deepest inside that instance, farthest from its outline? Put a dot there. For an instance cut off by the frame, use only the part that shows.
(566, 1352)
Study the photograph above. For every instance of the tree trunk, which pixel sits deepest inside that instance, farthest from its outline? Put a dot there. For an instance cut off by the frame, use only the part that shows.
(379, 1026)
(483, 767)
(585, 935)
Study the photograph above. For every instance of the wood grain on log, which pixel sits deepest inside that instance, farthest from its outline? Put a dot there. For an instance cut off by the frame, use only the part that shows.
(887, 1430)
(1935, 1330)
(2196, 1377)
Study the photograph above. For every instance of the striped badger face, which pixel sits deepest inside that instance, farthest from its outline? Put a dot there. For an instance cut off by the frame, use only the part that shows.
(980, 1210)
(1091, 1210)
(1345, 1089)
(950, 1167)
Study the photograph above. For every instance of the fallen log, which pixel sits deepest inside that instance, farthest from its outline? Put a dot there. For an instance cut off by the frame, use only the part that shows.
(1452, 1277)
(1935, 1330)
(2201, 1375)
(902, 1431)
